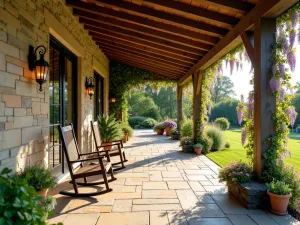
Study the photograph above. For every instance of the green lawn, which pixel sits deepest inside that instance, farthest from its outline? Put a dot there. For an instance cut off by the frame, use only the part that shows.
(237, 152)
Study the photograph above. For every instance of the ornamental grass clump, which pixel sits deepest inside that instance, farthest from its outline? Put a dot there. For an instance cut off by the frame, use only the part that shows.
(235, 173)
(217, 137)
(148, 123)
(159, 126)
(187, 128)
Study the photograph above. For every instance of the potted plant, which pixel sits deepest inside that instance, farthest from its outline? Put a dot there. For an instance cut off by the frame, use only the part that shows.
(159, 128)
(128, 132)
(40, 178)
(110, 130)
(175, 134)
(187, 144)
(198, 148)
(280, 194)
(169, 125)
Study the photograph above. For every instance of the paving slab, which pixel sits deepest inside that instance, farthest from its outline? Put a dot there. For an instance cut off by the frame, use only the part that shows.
(159, 194)
(177, 185)
(122, 205)
(159, 218)
(130, 218)
(79, 219)
(241, 220)
(148, 185)
(209, 221)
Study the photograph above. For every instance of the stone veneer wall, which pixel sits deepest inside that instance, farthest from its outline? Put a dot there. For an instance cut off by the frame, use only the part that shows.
(24, 110)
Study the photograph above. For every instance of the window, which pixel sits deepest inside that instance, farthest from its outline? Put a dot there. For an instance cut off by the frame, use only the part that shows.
(98, 104)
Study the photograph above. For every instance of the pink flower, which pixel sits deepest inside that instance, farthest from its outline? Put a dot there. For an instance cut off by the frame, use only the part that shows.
(230, 174)
(247, 175)
(233, 179)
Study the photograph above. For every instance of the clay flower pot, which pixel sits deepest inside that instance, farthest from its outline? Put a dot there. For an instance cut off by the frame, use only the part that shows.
(279, 203)
(125, 138)
(108, 147)
(168, 131)
(43, 193)
(198, 151)
(160, 131)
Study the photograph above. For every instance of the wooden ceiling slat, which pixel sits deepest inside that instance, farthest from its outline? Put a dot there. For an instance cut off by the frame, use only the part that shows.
(143, 48)
(124, 48)
(117, 31)
(145, 43)
(146, 60)
(197, 11)
(106, 24)
(85, 10)
(174, 19)
(126, 51)
(232, 5)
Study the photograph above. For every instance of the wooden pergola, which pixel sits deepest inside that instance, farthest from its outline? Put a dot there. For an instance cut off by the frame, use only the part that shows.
(180, 39)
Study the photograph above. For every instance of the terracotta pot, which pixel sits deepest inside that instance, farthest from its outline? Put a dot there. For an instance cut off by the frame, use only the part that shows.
(198, 151)
(168, 131)
(160, 131)
(279, 203)
(125, 138)
(108, 147)
(43, 193)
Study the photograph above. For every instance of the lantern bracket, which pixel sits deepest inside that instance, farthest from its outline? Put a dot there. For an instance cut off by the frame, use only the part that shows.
(32, 56)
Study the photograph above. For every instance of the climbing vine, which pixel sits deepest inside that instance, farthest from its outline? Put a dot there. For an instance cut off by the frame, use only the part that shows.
(283, 54)
(123, 78)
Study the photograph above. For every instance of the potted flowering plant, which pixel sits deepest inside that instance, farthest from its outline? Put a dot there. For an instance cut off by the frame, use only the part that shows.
(280, 194)
(187, 144)
(198, 148)
(159, 128)
(169, 125)
(235, 172)
(175, 134)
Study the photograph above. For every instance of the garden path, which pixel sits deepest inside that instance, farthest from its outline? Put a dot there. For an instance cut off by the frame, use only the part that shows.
(162, 186)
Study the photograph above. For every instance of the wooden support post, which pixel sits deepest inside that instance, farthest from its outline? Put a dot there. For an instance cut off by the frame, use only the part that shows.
(179, 105)
(197, 82)
(265, 102)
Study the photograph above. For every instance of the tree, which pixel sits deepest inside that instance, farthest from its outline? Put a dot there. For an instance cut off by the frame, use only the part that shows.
(140, 104)
(225, 108)
(298, 87)
(223, 89)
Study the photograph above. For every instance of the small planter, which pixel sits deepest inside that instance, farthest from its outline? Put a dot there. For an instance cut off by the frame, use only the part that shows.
(125, 138)
(187, 149)
(279, 203)
(160, 131)
(198, 151)
(43, 193)
(168, 131)
(175, 136)
(108, 147)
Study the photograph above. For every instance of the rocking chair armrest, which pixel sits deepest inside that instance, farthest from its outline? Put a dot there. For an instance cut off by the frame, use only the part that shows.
(113, 144)
(88, 159)
(91, 153)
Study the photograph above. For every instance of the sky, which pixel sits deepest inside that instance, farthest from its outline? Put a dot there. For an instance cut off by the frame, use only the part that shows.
(241, 78)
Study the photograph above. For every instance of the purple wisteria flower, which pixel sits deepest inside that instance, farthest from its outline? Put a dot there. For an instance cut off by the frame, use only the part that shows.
(231, 64)
(281, 67)
(285, 44)
(240, 112)
(292, 114)
(291, 57)
(170, 124)
(220, 69)
(294, 18)
(244, 136)
(250, 104)
(226, 62)
(292, 37)
(274, 84)
(237, 65)
(282, 94)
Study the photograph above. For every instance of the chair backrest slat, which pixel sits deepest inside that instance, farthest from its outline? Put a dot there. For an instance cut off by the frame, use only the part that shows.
(96, 133)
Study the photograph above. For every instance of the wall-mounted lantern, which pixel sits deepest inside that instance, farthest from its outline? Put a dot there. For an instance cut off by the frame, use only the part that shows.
(90, 86)
(113, 100)
(39, 66)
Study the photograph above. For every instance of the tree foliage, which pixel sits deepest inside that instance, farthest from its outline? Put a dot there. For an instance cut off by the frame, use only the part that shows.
(225, 108)
(223, 89)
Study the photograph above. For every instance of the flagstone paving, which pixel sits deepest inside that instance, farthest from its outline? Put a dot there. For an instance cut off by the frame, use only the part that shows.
(161, 186)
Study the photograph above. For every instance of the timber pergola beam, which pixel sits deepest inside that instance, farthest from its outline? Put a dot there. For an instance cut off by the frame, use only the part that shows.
(270, 8)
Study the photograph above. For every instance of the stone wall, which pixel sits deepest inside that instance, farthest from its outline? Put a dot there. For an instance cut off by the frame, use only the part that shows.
(24, 110)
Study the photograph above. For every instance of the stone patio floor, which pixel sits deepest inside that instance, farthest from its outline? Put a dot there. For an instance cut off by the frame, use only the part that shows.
(161, 186)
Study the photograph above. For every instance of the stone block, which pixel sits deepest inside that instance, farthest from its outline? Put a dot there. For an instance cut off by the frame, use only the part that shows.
(13, 101)
(7, 90)
(7, 79)
(17, 62)
(16, 42)
(11, 30)
(9, 125)
(36, 108)
(23, 121)
(9, 49)
(29, 74)
(2, 109)
(25, 89)
(31, 134)
(10, 19)
(28, 17)
(12, 10)
(2, 62)
(4, 154)
(10, 119)
(26, 102)
(9, 111)
(12, 138)
(31, 4)
(3, 36)
(19, 111)
(44, 108)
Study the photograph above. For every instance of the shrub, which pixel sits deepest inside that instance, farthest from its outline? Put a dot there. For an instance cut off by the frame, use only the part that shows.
(279, 188)
(152, 113)
(223, 123)
(206, 142)
(227, 144)
(38, 177)
(217, 137)
(148, 123)
(186, 141)
(170, 124)
(135, 120)
(226, 108)
(175, 132)
(109, 128)
(19, 202)
(159, 126)
(127, 129)
(187, 128)
(138, 127)
(235, 172)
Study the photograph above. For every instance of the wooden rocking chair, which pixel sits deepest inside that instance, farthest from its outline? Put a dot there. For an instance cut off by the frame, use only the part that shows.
(73, 157)
(117, 147)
